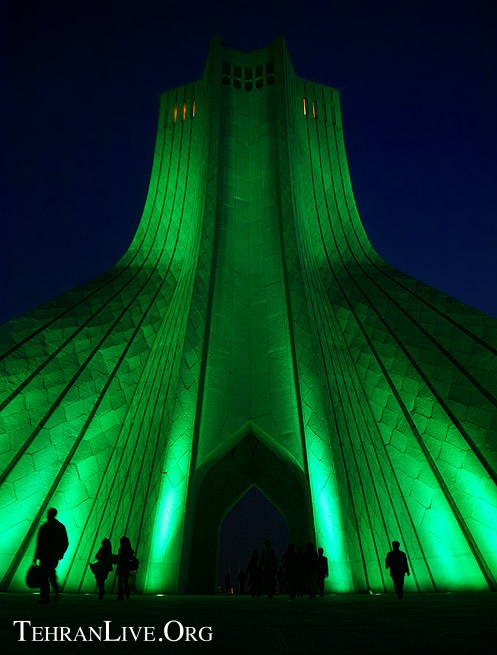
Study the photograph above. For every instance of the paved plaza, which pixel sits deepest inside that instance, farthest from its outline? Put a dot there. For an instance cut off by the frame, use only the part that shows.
(432, 623)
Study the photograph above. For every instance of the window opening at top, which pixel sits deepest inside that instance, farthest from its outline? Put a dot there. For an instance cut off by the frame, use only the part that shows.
(248, 73)
(238, 71)
(269, 67)
(175, 114)
(193, 109)
(305, 107)
(314, 109)
(226, 68)
(183, 112)
(258, 70)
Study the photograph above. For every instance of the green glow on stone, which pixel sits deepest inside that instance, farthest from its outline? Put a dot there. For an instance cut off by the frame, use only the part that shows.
(165, 557)
(328, 525)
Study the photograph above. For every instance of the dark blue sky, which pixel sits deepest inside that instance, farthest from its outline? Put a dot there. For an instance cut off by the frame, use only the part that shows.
(80, 100)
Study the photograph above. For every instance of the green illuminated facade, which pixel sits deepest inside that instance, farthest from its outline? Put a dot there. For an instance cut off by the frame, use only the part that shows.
(251, 335)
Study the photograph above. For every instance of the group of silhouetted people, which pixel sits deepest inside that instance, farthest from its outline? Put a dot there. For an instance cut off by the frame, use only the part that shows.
(304, 571)
(51, 545)
(126, 563)
(301, 571)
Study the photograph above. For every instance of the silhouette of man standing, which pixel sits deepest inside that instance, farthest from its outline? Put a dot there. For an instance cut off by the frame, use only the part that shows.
(396, 561)
(253, 575)
(51, 545)
(322, 570)
(268, 564)
(291, 567)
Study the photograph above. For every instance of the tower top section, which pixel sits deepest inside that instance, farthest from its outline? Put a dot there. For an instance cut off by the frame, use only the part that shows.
(275, 50)
(249, 71)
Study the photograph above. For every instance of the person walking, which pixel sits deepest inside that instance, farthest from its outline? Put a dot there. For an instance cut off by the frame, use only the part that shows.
(51, 544)
(268, 564)
(105, 560)
(396, 561)
(125, 557)
(291, 566)
(253, 575)
(310, 569)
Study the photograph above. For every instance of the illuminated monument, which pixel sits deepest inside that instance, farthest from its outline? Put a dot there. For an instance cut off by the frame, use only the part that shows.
(251, 335)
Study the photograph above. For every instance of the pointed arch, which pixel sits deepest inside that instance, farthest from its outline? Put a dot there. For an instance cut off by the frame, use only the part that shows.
(216, 488)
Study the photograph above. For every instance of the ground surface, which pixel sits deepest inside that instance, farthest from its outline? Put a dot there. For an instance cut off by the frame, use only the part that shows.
(434, 623)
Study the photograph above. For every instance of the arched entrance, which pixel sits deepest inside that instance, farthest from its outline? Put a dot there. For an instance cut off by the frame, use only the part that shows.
(244, 528)
(219, 484)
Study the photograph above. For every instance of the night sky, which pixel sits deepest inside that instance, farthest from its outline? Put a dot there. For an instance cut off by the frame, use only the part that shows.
(80, 100)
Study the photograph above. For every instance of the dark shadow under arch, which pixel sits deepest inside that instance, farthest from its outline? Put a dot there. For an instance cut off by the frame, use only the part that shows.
(244, 528)
(217, 486)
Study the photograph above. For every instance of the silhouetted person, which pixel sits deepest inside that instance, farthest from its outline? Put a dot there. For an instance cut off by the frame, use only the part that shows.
(281, 578)
(396, 561)
(124, 562)
(103, 567)
(242, 576)
(51, 545)
(268, 564)
(290, 564)
(322, 570)
(300, 571)
(253, 575)
(310, 570)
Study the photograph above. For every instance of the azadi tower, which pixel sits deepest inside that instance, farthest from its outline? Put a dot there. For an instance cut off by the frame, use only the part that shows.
(250, 336)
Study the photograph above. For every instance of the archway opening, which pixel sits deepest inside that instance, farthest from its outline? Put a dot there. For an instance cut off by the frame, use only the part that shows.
(217, 486)
(246, 526)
